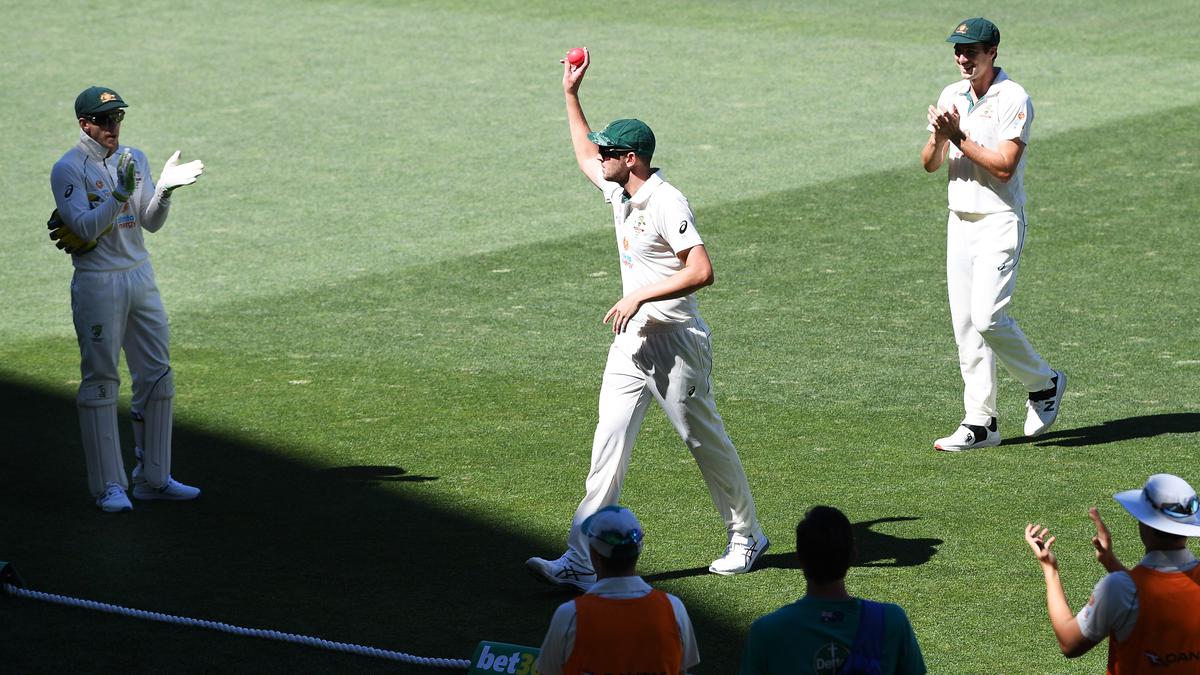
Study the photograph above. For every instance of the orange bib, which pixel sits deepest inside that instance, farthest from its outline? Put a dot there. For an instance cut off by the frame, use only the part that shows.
(625, 637)
(1166, 638)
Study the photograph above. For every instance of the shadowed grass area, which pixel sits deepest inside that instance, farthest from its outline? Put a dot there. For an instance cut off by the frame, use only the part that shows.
(476, 378)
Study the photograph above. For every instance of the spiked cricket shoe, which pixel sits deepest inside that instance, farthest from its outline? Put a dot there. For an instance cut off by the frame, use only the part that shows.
(172, 491)
(114, 499)
(969, 437)
(741, 554)
(562, 572)
(1042, 406)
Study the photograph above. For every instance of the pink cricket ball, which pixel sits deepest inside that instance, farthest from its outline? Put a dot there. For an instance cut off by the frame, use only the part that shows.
(575, 57)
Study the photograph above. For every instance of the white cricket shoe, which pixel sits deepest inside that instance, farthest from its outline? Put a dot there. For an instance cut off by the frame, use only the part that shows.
(970, 436)
(562, 572)
(173, 490)
(741, 554)
(114, 499)
(1043, 405)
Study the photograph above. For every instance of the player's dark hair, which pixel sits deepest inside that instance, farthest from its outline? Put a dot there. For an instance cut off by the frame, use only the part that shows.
(622, 564)
(825, 544)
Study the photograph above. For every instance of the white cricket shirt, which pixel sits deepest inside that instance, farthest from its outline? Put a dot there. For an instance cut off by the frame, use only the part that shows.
(1004, 113)
(82, 181)
(653, 227)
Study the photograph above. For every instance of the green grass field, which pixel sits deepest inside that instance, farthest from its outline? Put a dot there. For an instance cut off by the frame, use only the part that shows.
(385, 298)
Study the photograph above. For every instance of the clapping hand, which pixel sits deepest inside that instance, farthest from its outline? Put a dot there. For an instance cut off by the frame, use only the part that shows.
(176, 175)
(1103, 543)
(1036, 537)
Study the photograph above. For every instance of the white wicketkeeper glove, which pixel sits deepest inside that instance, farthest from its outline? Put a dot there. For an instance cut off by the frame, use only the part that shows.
(176, 175)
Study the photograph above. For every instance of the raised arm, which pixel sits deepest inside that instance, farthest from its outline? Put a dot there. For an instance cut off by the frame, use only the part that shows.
(1071, 640)
(586, 152)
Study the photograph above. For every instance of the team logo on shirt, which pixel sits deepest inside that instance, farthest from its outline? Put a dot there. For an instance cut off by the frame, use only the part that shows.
(1170, 659)
(830, 658)
(99, 184)
(1021, 115)
(640, 226)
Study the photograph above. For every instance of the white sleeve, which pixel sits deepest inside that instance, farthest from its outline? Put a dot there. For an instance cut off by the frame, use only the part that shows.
(1112, 608)
(559, 640)
(70, 188)
(691, 653)
(677, 224)
(152, 204)
(1016, 119)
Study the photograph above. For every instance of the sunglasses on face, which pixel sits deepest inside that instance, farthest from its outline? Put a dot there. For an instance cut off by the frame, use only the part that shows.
(108, 120)
(1178, 510)
(614, 152)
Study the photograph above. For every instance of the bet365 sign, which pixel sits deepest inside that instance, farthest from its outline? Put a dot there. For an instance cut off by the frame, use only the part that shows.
(497, 657)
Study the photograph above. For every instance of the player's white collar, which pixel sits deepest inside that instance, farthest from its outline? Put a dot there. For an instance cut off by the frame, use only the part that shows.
(642, 196)
(91, 148)
(1001, 76)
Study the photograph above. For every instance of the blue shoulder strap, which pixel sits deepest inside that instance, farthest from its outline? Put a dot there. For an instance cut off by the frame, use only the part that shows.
(867, 650)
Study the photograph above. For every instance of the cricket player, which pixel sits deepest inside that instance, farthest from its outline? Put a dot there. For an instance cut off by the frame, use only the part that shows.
(661, 347)
(980, 128)
(105, 197)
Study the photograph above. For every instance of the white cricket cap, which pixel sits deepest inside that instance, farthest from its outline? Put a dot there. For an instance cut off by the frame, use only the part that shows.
(614, 532)
(1167, 504)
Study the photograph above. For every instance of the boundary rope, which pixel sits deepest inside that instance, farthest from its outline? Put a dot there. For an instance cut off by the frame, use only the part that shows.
(319, 643)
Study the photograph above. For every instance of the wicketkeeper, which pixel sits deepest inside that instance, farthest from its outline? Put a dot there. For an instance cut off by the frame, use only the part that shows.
(105, 197)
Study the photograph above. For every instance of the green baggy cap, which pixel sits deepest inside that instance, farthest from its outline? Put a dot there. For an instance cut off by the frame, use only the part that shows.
(95, 100)
(975, 30)
(627, 133)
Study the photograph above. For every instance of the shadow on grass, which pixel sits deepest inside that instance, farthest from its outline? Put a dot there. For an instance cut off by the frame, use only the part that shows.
(1115, 431)
(373, 475)
(875, 549)
(358, 554)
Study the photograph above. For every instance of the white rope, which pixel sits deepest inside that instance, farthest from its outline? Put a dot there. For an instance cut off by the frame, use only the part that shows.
(461, 664)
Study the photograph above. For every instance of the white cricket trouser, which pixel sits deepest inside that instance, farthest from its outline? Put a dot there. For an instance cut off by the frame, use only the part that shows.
(115, 310)
(982, 256)
(674, 367)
